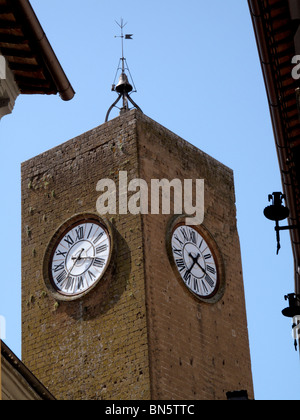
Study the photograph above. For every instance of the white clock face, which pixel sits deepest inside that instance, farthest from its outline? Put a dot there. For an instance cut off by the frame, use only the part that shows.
(80, 258)
(195, 262)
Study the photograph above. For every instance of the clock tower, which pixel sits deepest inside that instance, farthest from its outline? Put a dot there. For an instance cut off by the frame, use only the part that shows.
(131, 304)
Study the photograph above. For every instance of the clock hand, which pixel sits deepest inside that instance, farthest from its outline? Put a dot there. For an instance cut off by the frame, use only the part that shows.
(70, 271)
(89, 248)
(83, 258)
(195, 260)
(204, 271)
(76, 260)
(188, 271)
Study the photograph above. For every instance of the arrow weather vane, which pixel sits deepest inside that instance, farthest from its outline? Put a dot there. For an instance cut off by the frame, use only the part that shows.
(123, 88)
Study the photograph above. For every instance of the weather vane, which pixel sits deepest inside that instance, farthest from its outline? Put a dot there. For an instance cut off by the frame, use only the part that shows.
(127, 36)
(124, 87)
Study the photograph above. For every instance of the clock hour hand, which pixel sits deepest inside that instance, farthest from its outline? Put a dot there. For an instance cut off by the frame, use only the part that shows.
(190, 269)
(83, 258)
(76, 259)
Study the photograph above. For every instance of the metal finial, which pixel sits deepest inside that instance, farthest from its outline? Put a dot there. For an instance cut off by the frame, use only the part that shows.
(124, 87)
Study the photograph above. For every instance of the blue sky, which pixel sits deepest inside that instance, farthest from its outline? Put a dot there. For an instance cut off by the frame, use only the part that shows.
(196, 68)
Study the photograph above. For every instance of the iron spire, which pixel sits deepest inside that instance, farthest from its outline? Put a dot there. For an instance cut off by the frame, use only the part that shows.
(124, 87)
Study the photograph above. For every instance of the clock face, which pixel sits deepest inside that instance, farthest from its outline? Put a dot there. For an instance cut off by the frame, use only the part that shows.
(195, 262)
(79, 258)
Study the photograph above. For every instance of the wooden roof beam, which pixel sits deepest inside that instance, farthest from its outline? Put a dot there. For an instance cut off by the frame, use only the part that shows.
(12, 39)
(14, 52)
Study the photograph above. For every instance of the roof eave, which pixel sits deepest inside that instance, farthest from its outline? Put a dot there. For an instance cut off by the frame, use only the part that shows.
(60, 79)
(277, 121)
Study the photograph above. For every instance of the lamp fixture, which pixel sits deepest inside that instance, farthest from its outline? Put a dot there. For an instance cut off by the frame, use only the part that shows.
(294, 306)
(278, 212)
(293, 311)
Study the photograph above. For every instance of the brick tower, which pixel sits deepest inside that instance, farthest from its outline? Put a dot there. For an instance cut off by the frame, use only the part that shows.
(131, 306)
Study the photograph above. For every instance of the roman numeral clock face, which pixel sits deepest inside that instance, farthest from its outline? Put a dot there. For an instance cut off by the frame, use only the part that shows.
(195, 261)
(79, 258)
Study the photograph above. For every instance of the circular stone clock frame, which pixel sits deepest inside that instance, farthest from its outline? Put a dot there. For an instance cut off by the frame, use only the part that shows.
(209, 263)
(84, 260)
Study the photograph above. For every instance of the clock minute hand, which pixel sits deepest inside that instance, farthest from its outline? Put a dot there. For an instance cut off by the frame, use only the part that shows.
(204, 271)
(70, 271)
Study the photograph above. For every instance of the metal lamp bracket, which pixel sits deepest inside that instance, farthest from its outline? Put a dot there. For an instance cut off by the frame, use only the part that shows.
(278, 212)
(278, 229)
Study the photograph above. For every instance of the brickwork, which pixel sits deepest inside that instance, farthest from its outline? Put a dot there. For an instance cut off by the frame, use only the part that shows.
(197, 350)
(139, 334)
(96, 347)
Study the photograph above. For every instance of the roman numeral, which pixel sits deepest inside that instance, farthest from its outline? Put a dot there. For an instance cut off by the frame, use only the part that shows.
(101, 249)
(61, 254)
(69, 240)
(79, 233)
(69, 283)
(92, 275)
(187, 277)
(211, 270)
(98, 238)
(180, 264)
(204, 287)
(193, 236)
(210, 281)
(59, 267)
(79, 282)
(61, 277)
(178, 252)
(90, 232)
(207, 256)
(184, 234)
(196, 285)
(177, 239)
(99, 262)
